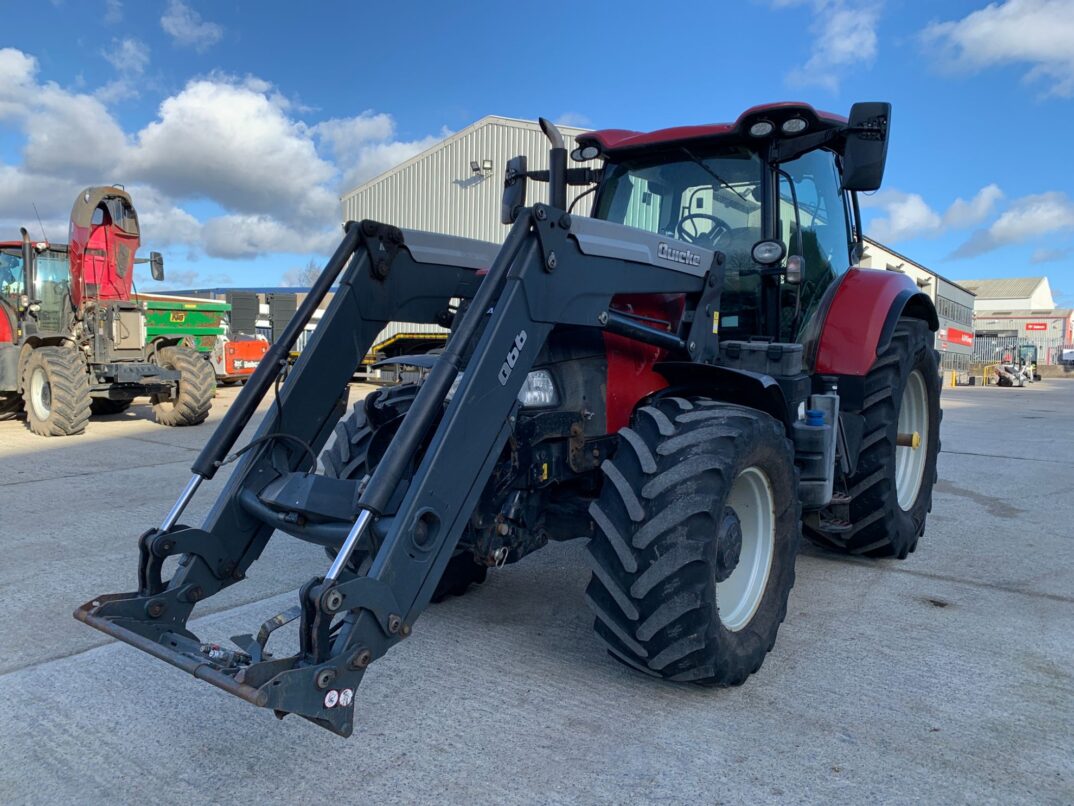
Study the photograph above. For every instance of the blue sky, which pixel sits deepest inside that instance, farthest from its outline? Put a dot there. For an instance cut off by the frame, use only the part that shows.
(236, 124)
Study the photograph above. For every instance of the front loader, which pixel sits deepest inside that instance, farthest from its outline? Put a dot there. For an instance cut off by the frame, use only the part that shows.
(689, 378)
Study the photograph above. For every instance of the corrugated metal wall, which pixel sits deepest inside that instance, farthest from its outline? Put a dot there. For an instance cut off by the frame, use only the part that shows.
(439, 192)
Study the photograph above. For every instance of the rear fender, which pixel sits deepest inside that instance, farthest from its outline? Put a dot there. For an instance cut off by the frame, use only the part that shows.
(761, 392)
(863, 308)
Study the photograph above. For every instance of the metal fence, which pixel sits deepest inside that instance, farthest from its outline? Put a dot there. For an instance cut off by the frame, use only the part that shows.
(988, 349)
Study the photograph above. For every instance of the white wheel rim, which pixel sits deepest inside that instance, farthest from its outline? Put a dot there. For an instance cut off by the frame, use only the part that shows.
(40, 393)
(913, 419)
(739, 596)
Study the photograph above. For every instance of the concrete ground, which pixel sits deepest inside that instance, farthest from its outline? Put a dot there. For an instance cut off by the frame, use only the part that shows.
(942, 678)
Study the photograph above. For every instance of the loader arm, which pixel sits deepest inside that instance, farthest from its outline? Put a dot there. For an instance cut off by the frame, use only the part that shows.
(552, 269)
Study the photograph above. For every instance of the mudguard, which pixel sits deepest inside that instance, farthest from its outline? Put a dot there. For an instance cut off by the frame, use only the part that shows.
(862, 310)
(753, 389)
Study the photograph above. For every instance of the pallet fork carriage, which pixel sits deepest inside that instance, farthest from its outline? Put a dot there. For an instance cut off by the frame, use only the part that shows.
(588, 387)
(552, 269)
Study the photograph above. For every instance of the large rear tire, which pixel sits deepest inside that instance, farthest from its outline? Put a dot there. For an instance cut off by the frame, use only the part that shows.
(361, 439)
(197, 385)
(891, 489)
(698, 527)
(56, 392)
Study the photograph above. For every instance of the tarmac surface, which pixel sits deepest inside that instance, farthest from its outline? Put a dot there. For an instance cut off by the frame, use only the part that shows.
(943, 678)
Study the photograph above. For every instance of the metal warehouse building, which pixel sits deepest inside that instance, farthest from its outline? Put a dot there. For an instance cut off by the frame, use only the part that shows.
(455, 187)
(1015, 310)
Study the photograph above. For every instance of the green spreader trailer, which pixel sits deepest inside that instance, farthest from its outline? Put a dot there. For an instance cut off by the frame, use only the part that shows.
(199, 322)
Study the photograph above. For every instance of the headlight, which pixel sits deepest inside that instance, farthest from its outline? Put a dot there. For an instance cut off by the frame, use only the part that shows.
(539, 391)
(794, 126)
(768, 252)
(761, 128)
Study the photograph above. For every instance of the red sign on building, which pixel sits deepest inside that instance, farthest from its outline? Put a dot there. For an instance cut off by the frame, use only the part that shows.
(961, 337)
(1036, 325)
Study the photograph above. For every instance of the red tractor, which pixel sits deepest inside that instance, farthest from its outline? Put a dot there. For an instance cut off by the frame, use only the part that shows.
(688, 379)
(73, 341)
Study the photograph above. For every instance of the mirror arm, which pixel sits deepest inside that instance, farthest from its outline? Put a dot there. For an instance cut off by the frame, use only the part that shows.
(784, 150)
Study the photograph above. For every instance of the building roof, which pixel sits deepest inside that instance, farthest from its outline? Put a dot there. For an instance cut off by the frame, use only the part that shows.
(488, 120)
(956, 283)
(1051, 313)
(1004, 288)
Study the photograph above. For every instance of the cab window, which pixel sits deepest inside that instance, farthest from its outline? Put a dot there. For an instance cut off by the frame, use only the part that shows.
(820, 232)
(10, 274)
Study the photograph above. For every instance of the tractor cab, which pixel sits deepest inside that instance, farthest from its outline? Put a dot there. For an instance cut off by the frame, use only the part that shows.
(773, 192)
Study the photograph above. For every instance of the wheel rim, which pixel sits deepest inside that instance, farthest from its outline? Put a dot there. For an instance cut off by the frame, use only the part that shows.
(40, 393)
(913, 419)
(739, 596)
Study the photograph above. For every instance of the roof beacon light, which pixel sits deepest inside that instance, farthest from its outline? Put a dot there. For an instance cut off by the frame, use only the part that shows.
(793, 126)
(761, 128)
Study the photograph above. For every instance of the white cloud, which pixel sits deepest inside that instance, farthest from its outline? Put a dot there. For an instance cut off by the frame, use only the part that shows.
(229, 142)
(963, 214)
(908, 215)
(186, 27)
(67, 134)
(843, 34)
(129, 58)
(162, 220)
(246, 236)
(1027, 218)
(1045, 255)
(113, 12)
(234, 146)
(366, 143)
(1035, 33)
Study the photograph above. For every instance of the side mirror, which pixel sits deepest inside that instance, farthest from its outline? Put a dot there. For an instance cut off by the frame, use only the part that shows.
(156, 266)
(514, 190)
(867, 146)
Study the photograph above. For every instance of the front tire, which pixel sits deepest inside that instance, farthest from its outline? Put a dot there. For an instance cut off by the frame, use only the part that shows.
(698, 527)
(197, 384)
(361, 439)
(891, 489)
(56, 392)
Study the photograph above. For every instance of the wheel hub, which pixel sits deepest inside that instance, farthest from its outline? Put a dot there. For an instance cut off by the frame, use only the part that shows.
(728, 544)
(41, 393)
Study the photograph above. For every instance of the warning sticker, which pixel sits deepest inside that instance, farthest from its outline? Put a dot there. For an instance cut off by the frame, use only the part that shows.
(331, 698)
(715, 321)
(346, 697)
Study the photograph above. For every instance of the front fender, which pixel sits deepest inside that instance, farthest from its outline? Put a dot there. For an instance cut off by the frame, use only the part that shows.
(730, 385)
(860, 319)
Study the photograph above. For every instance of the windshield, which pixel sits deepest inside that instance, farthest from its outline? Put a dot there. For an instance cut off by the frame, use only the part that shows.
(52, 288)
(713, 200)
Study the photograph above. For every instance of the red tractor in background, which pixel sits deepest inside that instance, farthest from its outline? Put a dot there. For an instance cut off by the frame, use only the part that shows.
(73, 341)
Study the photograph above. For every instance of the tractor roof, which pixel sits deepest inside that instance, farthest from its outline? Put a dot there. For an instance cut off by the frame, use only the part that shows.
(615, 142)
